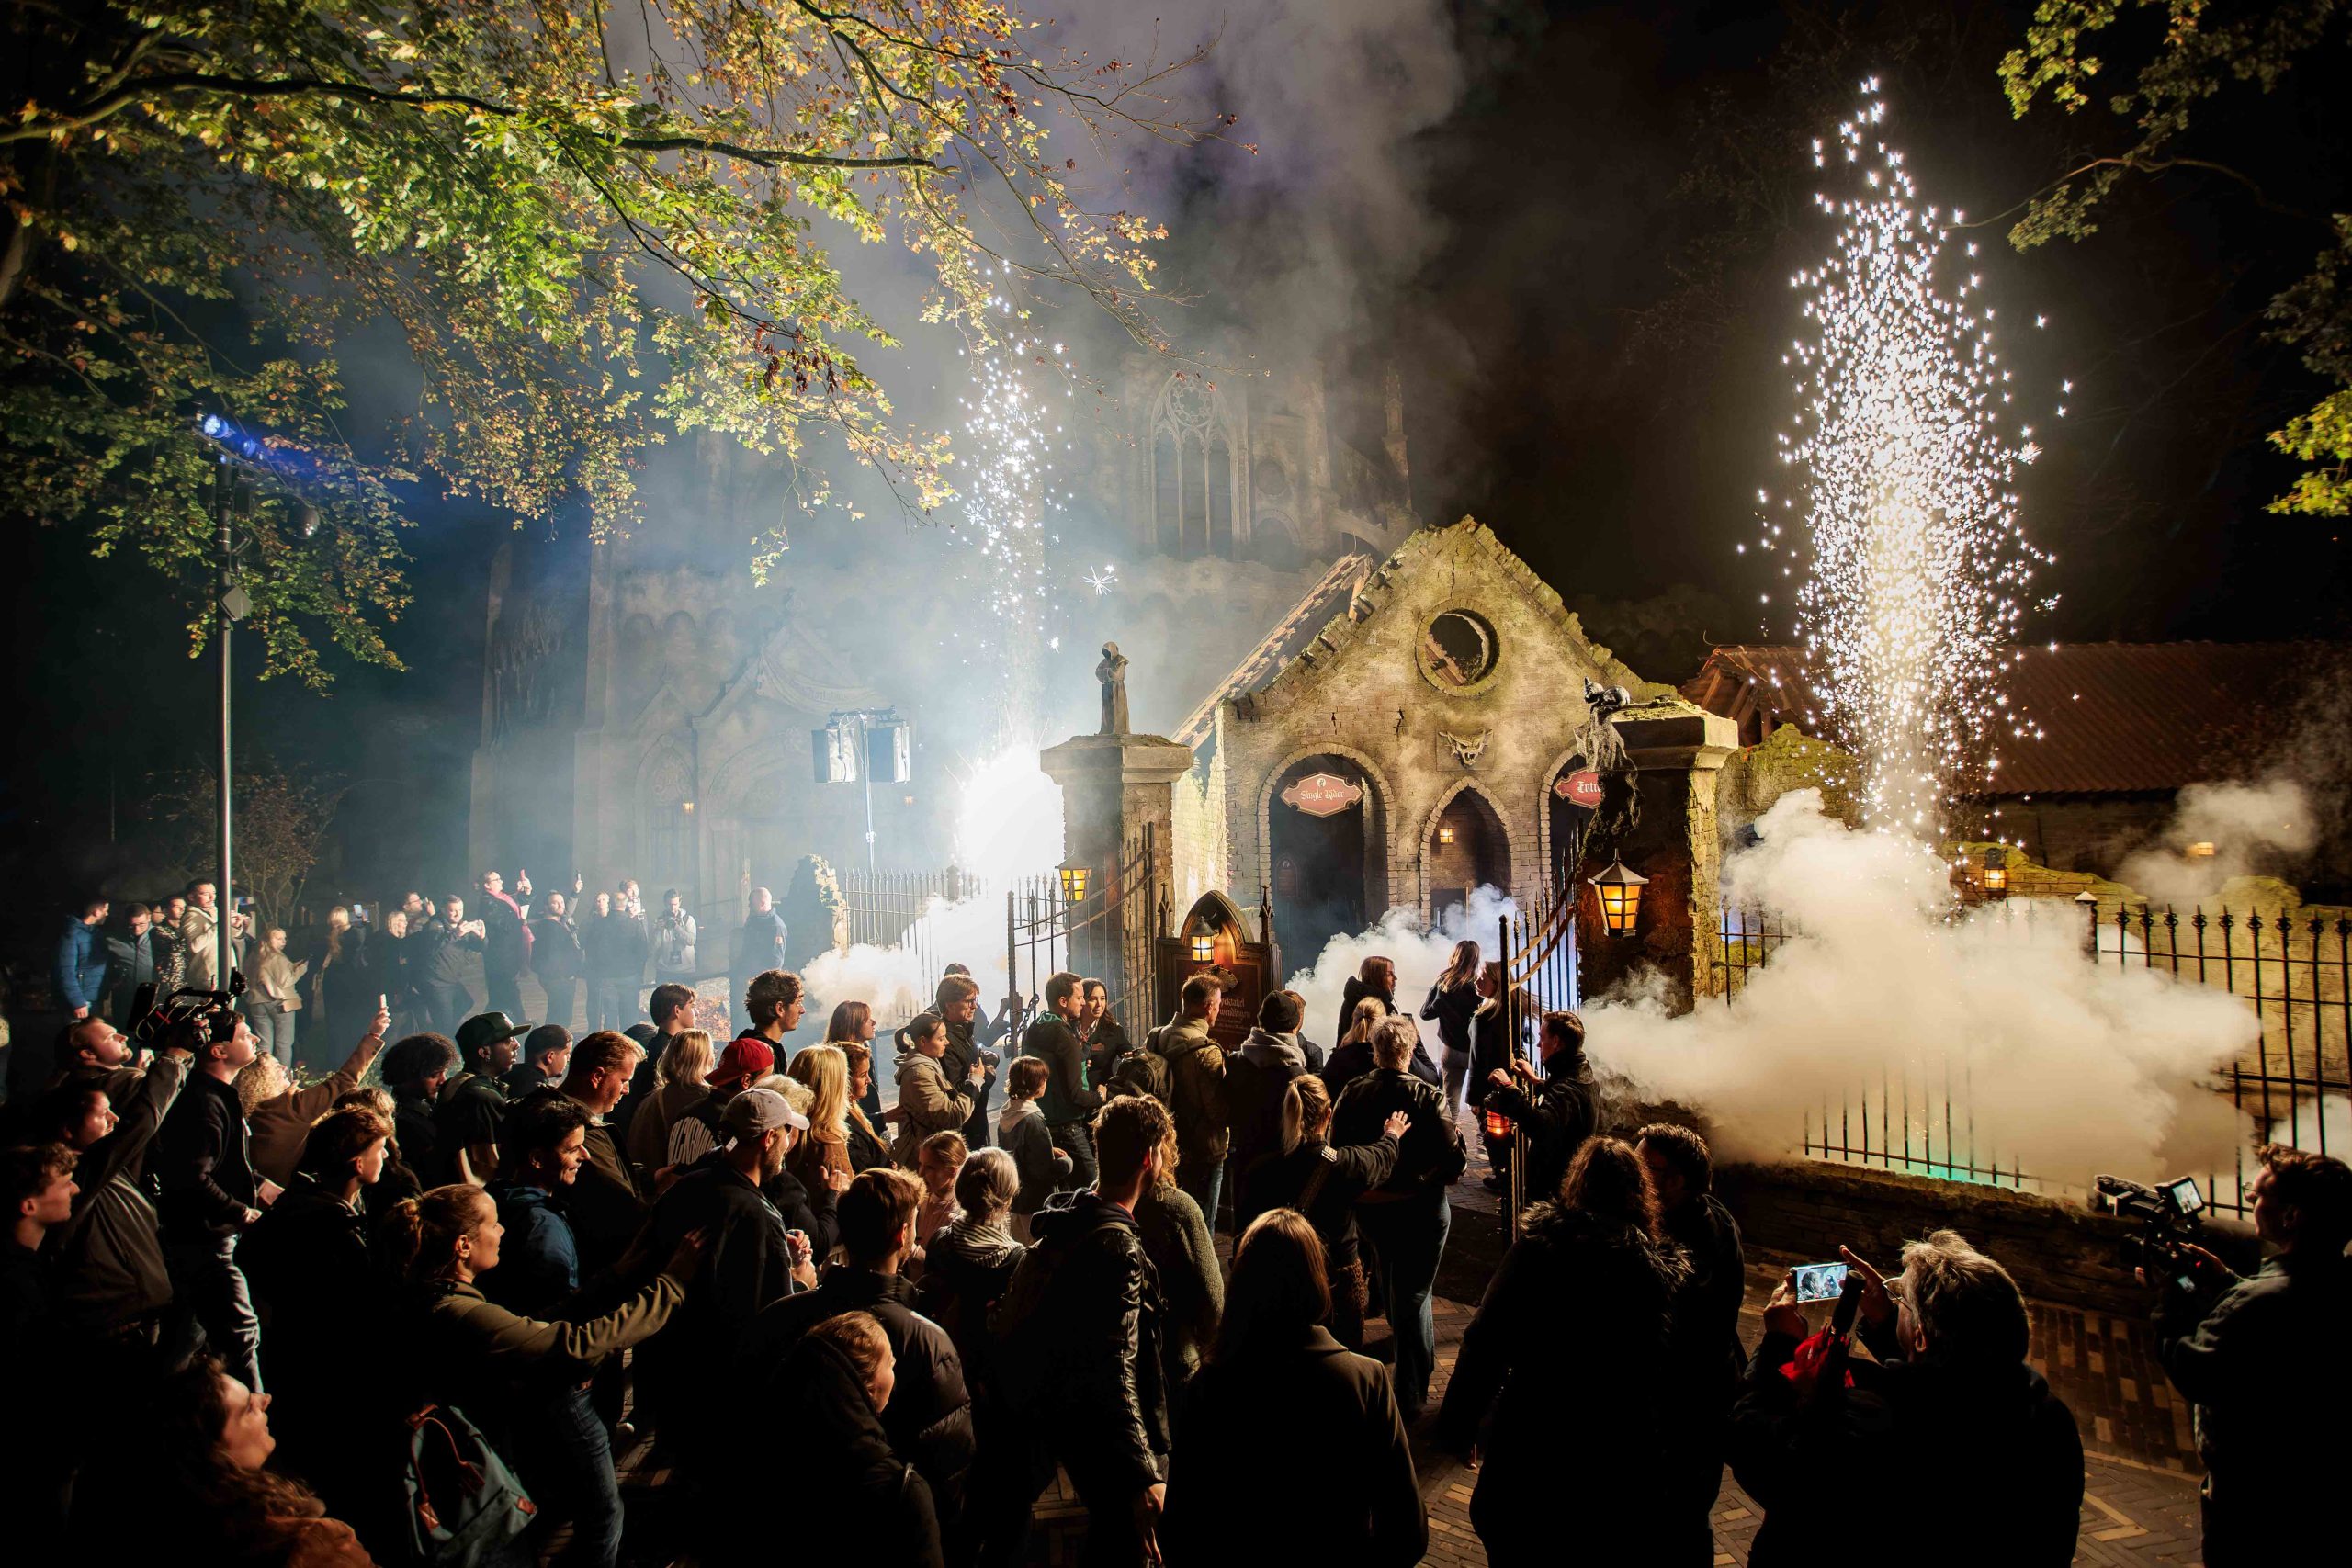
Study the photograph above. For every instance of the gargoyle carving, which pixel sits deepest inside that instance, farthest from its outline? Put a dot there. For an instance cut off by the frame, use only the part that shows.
(1466, 752)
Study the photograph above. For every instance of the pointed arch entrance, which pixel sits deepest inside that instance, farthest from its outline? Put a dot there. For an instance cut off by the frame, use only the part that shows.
(1467, 847)
(1326, 838)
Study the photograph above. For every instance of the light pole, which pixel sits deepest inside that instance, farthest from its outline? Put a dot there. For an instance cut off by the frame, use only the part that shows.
(232, 493)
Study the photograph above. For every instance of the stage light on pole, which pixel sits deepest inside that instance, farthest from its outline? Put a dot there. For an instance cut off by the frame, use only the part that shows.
(1621, 897)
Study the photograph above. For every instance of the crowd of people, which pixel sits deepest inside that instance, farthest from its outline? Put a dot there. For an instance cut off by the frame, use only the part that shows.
(408, 1313)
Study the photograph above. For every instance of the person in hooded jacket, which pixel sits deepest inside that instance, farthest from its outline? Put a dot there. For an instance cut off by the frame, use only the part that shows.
(929, 1418)
(1576, 1321)
(1079, 1361)
(1552, 1114)
(1950, 1417)
(1255, 1078)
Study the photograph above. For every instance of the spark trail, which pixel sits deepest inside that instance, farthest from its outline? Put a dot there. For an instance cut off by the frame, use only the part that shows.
(1901, 530)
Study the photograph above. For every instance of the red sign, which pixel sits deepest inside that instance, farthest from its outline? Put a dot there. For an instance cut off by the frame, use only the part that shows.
(1323, 795)
(1579, 788)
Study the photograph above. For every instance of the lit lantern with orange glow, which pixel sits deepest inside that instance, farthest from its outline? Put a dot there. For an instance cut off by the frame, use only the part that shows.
(1498, 1124)
(1204, 946)
(1074, 884)
(1445, 834)
(1997, 873)
(1621, 897)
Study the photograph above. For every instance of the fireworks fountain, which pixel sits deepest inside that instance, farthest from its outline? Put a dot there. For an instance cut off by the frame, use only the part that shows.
(1910, 568)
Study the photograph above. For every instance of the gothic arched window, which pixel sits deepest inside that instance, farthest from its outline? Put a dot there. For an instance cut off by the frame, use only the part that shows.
(1192, 472)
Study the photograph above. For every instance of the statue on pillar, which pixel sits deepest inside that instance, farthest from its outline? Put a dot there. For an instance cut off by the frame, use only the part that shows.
(1113, 673)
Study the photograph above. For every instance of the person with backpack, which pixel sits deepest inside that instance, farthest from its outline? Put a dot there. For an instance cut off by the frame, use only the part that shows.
(1407, 1217)
(523, 1381)
(1067, 1102)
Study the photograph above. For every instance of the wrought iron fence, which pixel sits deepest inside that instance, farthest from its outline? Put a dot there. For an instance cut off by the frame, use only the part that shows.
(2293, 970)
(1112, 934)
(888, 908)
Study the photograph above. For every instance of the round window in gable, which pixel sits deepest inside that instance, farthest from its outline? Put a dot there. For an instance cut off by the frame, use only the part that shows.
(1458, 650)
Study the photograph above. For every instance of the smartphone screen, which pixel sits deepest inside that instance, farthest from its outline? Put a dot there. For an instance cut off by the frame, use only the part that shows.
(1820, 1281)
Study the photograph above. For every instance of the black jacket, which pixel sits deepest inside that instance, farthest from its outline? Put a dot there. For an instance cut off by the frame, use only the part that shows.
(307, 1263)
(1706, 1350)
(1078, 1335)
(1491, 1046)
(1575, 1320)
(1349, 1062)
(1353, 992)
(1997, 1451)
(555, 952)
(929, 1418)
(1346, 1466)
(1452, 1009)
(1067, 1098)
(860, 1499)
(1255, 1079)
(1429, 1155)
(200, 1164)
(1280, 1181)
(2265, 1358)
(1552, 1122)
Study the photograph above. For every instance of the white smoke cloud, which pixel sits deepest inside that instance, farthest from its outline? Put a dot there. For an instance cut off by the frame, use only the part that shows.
(2256, 829)
(898, 980)
(1418, 953)
(2054, 1065)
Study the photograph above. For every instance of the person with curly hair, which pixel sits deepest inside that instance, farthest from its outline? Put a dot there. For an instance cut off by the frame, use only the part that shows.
(213, 1498)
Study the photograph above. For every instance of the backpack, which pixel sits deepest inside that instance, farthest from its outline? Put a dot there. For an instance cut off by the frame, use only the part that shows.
(464, 1503)
(1138, 1070)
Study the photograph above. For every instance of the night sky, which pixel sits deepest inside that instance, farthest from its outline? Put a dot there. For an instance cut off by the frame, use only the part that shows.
(1573, 227)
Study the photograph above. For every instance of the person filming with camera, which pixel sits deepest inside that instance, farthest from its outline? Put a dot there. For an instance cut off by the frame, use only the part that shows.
(2264, 1356)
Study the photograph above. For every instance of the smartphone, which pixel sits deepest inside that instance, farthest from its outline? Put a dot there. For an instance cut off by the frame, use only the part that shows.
(1820, 1281)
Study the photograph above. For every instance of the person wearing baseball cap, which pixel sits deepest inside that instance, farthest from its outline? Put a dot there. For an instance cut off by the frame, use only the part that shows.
(474, 1102)
(749, 1259)
(699, 1128)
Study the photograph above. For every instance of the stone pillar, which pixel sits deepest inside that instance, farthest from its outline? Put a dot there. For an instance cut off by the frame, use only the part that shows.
(1677, 846)
(1113, 786)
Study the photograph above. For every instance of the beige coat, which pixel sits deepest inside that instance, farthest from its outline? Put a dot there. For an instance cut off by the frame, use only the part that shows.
(927, 1104)
(279, 1126)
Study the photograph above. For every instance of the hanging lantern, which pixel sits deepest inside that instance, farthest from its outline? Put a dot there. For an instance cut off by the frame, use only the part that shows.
(1203, 947)
(1621, 897)
(1074, 884)
(1997, 873)
(1445, 834)
(1498, 1124)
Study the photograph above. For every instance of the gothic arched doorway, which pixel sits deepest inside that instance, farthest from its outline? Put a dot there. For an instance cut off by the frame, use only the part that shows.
(1326, 840)
(1467, 849)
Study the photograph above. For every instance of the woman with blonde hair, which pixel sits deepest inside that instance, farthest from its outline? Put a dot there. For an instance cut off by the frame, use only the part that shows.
(825, 1070)
(678, 1084)
(869, 1149)
(523, 1381)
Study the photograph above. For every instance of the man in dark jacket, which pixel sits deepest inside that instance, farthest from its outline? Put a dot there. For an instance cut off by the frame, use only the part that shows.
(211, 1196)
(1079, 1332)
(1348, 1063)
(1551, 1116)
(1255, 1077)
(131, 963)
(748, 1261)
(1950, 1416)
(506, 942)
(557, 960)
(1704, 1355)
(1196, 1091)
(2263, 1358)
(465, 1124)
(959, 1001)
(81, 972)
(1067, 1104)
(444, 942)
(1407, 1217)
(929, 1418)
(111, 1271)
(759, 946)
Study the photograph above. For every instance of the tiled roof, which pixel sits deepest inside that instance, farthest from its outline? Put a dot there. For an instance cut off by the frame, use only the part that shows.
(2117, 716)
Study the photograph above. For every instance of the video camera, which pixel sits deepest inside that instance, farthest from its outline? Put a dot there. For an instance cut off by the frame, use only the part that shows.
(2168, 1215)
(189, 1018)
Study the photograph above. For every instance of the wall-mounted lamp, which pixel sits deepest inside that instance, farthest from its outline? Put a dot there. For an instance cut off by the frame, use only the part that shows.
(686, 806)
(1074, 884)
(1204, 946)
(1445, 835)
(1621, 897)
(1997, 873)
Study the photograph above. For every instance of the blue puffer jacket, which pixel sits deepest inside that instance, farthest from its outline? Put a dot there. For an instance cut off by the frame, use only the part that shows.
(81, 965)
